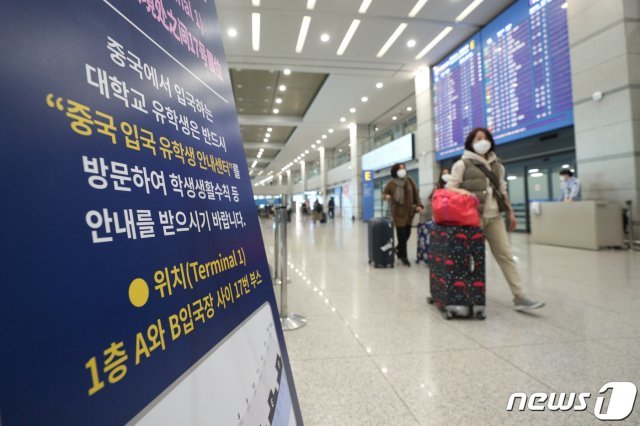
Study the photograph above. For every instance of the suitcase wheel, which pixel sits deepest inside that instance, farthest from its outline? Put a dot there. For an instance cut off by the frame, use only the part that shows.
(430, 300)
(447, 315)
(481, 316)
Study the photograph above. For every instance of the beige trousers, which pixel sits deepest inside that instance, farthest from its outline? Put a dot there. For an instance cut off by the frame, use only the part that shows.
(496, 234)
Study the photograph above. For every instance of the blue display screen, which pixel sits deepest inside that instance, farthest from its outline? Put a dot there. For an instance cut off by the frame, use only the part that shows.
(526, 78)
(458, 97)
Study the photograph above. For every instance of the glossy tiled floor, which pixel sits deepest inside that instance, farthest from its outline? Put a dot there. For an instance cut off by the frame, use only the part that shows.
(374, 353)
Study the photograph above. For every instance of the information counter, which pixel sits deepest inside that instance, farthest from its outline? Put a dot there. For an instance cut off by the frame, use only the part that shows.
(583, 224)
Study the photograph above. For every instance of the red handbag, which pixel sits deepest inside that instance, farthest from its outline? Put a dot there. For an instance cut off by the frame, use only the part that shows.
(454, 209)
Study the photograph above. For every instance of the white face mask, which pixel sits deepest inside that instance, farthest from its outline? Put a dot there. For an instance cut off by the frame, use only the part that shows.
(446, 177)
(402, 173)
(482, 147)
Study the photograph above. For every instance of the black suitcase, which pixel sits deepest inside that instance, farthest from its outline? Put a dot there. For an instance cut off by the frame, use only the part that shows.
(324, 218)
(381, 243)
(457, 270)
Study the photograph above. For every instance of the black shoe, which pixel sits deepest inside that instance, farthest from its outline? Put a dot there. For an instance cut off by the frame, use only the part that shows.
(406, 262)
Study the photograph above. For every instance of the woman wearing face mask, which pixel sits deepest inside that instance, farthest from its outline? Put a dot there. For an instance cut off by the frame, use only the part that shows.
(405, 202)
(481, 173)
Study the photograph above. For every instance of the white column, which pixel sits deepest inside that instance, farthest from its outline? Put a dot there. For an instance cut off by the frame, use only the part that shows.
(357, 136)
(604, 39)
(323, 174)
(303, 174)
(428, 168)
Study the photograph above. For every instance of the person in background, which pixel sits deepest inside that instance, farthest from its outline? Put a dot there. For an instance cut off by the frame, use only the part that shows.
(427, 213)
(403, 194)
(317, 211)
(480, 172)
(572, 190)
(332, 207)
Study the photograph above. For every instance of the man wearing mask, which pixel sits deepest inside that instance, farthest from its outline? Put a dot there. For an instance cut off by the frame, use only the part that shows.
(402, 192)
(480, 172)
(572, 189)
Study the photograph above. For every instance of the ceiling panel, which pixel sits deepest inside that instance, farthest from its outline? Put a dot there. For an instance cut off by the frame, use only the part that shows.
(323, 85)
(257, 133)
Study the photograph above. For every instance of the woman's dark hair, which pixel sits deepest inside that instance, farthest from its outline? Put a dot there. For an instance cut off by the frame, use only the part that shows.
(566, 172)
(395, 168)
(468, 144)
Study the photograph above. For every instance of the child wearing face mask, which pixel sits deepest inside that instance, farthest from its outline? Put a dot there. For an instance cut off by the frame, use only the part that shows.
(480, 172)
(403, 194)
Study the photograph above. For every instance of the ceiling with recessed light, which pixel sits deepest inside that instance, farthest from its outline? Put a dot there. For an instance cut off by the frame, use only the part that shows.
(339, 52)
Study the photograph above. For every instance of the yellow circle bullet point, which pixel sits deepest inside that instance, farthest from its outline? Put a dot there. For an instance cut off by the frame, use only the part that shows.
(138, 292)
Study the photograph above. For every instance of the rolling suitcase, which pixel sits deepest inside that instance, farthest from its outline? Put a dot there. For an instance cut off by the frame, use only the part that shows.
(457, 270)
(381, 243)
(423, 242)
(323, 218)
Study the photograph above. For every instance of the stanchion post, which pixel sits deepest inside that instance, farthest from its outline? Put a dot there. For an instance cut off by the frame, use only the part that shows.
(289, 321)
(630, 224)
(276, 249)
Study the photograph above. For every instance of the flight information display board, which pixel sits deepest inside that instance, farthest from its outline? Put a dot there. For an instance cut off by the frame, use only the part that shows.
(525, 79)
(458, 97)
(527, 70)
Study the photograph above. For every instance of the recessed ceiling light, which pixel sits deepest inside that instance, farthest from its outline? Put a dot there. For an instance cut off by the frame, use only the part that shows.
(267, 135)
(392, 39)
(325, 38)
(330, 130)
(347, 38)
(364, 99)
(434, 42)
(311, 4)
(287, 71)
(313, 146)
(269, 129)
(302, 155)
(282, 88)
(364, 6)
(468, 10)
(256, 3)
(394, 118)
(417, 8)
(278, 100)
(379, 85)
(324, 136)
(306, 151)
(232, 32)
(255, 30)
(318, 141)
(352, 110)
(276, 111)
(239, 86)
(302, 36)
(340, 150)
(409, 109)
(265, 140)
(342, 119)
(411, 43)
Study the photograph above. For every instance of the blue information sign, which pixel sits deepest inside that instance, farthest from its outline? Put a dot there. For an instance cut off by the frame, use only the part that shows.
(135, 286)
(367, 195)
